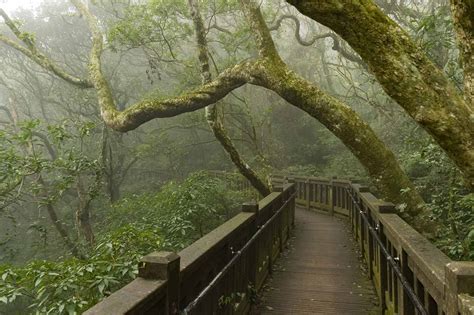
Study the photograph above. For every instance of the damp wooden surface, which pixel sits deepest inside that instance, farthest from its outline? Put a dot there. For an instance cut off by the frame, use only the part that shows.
(319, 273)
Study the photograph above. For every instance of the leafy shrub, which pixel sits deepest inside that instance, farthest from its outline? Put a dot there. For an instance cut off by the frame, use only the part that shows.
(172, 218)
(72, 285)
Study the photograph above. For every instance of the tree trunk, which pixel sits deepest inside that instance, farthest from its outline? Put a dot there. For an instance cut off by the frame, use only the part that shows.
(356, 135)
(212, 115)
(405, 73)
(463, 17)
(53, 216)
(83, 214)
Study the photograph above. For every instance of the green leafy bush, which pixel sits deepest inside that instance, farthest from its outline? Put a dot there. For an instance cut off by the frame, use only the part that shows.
(172, 218)
(72, 285)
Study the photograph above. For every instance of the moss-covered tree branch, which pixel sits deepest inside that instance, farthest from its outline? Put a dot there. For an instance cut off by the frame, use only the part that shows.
(340, 119)
(405, 73)
(37, 56)
(463, 17)
(268, 71)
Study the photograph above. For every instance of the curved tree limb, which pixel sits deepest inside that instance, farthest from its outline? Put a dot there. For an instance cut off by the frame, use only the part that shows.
(35, 55)
(8, 113)
(405, 73)
(340, 119)
(268, 71)
(336, 43)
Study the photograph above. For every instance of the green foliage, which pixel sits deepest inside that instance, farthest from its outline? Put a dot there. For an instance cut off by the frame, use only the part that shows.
(156, 22)
(170, 219)
(183, 211)
(435, 34)
(451, 203)
(41, 165)
(50, 151)
(72, 285)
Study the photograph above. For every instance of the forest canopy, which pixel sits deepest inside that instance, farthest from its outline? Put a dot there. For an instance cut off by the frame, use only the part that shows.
(111, 110)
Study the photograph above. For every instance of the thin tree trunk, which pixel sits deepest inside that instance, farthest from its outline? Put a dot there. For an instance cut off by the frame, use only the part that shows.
(83, 219)
(212, 115)
(53, 216)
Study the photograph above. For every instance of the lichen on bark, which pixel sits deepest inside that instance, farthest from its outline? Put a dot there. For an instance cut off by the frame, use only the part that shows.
(405, 73)
(463, 18)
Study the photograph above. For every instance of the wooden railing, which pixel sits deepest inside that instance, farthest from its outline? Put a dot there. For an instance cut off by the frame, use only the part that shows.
(388, 244)
(230, 263)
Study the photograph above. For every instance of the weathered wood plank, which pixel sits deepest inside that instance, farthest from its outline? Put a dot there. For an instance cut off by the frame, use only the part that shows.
(320, 273)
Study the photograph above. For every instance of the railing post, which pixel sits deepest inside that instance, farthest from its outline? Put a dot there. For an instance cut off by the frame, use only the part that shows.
(280, 219)
(291, 180)
(252, 207)
(308, 194)
(332, 197)
(359, 222)
(383, 270)
(385, 207)
(459, 276)
(163, 266)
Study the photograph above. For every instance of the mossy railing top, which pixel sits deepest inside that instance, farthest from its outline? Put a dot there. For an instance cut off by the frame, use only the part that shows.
(441, 285)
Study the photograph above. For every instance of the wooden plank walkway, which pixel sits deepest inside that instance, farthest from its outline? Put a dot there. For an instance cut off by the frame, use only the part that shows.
(320, 272)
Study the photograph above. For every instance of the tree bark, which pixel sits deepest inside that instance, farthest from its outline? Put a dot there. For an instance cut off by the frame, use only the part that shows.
(339, 118)
(53, 216)
(405, 73)
(357, 136)
(83, 217)
(463, 17)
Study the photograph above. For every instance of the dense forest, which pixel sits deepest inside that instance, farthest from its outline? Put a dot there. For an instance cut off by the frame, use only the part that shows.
(115, 115)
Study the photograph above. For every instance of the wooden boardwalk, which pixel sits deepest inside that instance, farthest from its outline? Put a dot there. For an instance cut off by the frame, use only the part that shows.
(320, 273)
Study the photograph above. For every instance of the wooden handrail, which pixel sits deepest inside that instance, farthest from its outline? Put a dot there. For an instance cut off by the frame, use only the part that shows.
(444, 286)
(163, 288)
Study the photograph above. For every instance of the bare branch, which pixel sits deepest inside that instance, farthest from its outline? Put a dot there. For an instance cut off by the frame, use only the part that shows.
(35, 55)
(336, 42)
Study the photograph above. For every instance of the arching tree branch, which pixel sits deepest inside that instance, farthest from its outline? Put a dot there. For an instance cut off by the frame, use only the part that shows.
(268, 71)
(405, 73)
(35, 55)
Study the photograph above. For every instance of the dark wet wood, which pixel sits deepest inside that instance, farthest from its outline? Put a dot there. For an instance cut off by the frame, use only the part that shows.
(320, 273)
